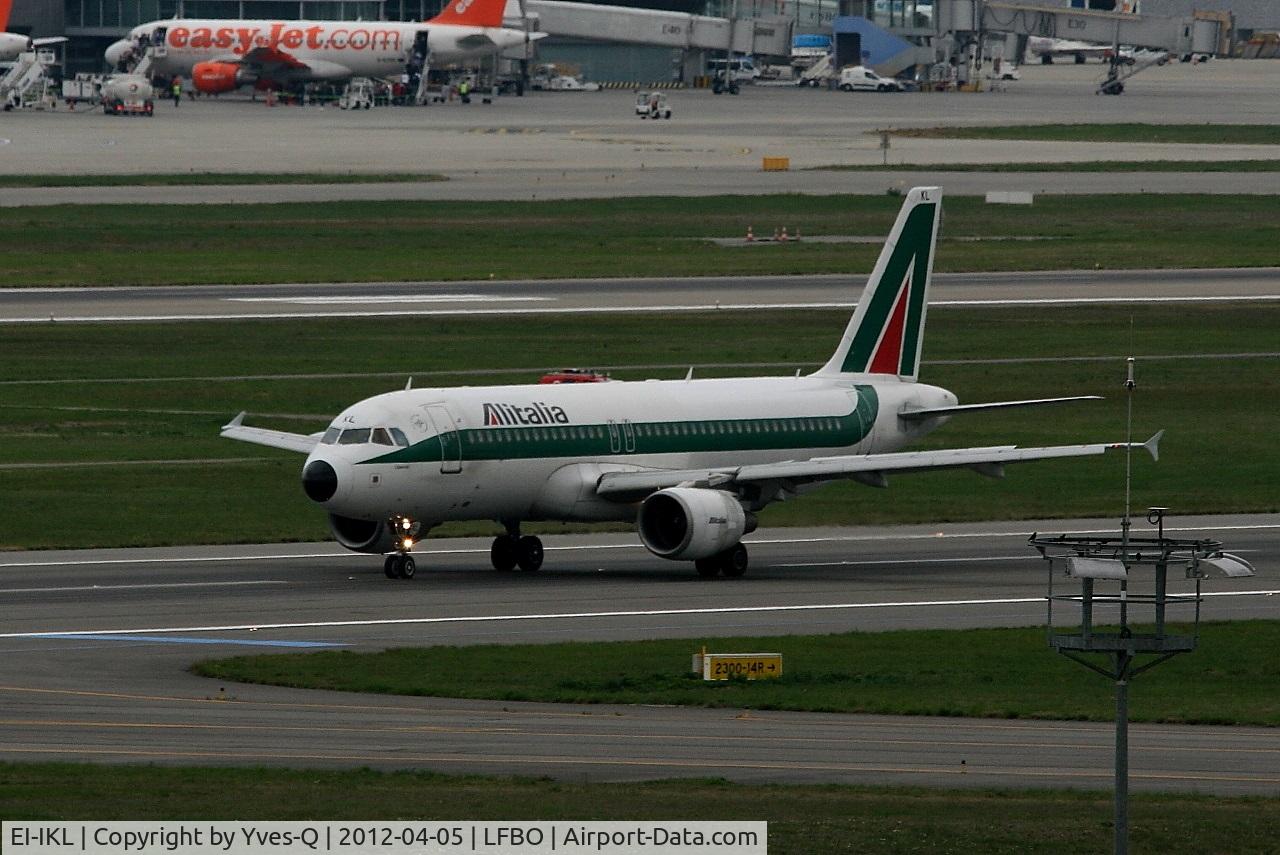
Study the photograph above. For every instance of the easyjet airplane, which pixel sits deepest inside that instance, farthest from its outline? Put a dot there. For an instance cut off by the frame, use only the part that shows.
(12, 45)
(222, 55)
(689, 461)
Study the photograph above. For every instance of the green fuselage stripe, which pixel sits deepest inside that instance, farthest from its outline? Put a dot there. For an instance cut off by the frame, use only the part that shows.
(661, 437)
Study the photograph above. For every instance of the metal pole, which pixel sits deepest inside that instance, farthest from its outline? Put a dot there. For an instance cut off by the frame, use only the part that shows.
(1122, 756)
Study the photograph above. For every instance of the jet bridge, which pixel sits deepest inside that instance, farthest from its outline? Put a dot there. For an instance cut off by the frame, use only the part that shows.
(763, 36)
(1046, 18)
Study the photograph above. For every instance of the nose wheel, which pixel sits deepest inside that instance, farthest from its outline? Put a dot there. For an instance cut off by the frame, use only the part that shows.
(400, 564)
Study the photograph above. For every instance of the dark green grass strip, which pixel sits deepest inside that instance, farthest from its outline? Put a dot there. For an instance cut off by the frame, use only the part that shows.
(807, 820)
(1233, 678)
(1075, 166)
(203, 179)
(1261, 134)
(376, 241)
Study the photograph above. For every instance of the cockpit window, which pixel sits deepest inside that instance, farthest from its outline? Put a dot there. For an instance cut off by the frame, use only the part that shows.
(381, 437)
(354, 436)
(399, 437)
(330, 436)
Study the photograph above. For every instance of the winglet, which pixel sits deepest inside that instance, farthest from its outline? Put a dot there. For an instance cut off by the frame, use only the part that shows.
(237, 421)
(1153, 445)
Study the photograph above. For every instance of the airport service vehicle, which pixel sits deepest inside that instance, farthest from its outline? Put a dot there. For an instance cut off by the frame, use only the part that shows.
(128, 95)
(859, 78)
(223, 55)
(690, 462)
(1004, 71)
(652, 105)
(358, 95)
(569, 83)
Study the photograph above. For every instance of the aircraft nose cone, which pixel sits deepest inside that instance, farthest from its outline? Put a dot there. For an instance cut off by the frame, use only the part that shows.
(319, 481)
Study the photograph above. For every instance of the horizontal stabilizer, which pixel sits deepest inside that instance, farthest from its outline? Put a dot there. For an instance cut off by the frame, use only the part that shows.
(933, 412)
(236, 429)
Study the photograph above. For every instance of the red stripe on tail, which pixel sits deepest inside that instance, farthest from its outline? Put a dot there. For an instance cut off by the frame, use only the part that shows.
(888, 355)
(5, 6)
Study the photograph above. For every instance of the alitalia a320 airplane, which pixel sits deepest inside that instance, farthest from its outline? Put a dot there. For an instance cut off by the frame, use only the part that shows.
(689, 461)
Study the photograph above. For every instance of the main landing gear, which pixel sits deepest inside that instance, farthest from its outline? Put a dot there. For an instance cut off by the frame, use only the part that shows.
(732, 563)
(510, 551)
(400, 564)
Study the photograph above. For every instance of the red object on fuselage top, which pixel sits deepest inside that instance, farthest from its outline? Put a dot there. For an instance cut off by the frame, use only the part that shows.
(572, 376)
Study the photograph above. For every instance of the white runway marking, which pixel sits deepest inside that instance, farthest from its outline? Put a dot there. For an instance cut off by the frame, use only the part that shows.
(358, 299)
(152, 586)
(255, 627)
(596, 310)
(777, 541)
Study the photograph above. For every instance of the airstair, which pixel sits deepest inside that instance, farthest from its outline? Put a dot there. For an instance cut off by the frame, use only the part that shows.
(818, 73)
(28, 83)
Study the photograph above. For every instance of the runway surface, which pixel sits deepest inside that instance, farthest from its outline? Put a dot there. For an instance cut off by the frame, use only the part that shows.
(383, 299)
(93, 648)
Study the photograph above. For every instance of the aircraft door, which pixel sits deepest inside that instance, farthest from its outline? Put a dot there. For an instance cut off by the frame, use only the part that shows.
(448, 431)
(159, 42)
(615, 438)
(629, 435)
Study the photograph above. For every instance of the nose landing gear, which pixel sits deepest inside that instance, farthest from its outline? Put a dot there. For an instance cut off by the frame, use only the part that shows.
(510, 550)
(400, 564)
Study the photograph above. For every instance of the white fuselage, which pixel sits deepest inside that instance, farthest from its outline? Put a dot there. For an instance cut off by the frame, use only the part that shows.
(536, 452)
(360, 48)
(12, 46)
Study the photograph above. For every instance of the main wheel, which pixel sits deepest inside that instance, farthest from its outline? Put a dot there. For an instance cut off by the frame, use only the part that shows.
(504, 553)
(708, 568)
(408, 567)
(389, 567)
(733, 561)
(529, 553)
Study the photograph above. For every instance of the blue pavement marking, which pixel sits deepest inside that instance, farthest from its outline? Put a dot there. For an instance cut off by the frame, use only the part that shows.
(183, 639)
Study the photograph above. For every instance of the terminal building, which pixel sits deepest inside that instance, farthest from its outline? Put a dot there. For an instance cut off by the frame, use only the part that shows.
(884, 34)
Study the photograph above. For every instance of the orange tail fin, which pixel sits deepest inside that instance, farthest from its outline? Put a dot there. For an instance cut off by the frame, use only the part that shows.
(471, 13)
(5, 6)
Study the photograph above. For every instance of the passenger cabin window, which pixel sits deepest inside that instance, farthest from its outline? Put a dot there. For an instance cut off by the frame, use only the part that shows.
(330, 436)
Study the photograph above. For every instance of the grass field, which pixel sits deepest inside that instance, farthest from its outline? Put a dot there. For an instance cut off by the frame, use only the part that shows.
(1131, 132)
(1072, 166)
(188, 179)
(985, 673)
(373, 241)
(126, 394)
(808, 820)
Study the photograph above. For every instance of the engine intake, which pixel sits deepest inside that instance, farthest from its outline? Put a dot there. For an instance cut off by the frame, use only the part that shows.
(688, 523)
(370, 536)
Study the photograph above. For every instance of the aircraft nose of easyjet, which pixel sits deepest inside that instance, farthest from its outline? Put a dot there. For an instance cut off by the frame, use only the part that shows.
(319, 481)
(116, 51)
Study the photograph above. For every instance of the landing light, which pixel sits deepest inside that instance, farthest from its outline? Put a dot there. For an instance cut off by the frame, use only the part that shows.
(407, 543)
(406, 524)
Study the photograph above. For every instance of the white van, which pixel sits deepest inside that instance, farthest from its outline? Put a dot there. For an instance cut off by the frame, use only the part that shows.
(859, 78)
(741, 69)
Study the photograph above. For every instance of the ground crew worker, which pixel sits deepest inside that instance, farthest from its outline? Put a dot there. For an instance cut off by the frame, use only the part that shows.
(464, 89)
(176, 88)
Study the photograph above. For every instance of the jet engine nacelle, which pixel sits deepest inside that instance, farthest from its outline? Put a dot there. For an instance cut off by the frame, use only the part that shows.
(373, 537)
(213, 78)
(688, 523)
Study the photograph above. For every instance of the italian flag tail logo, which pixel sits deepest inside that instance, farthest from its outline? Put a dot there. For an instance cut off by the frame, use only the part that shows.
(885, 333)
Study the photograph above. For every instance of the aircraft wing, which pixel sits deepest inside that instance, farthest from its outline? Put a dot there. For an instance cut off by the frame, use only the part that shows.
(235, 429)
(872, 468)
(271, 58)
